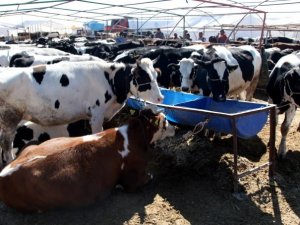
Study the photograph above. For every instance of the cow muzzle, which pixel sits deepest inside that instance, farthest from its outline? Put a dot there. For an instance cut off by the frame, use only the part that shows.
(185, 89)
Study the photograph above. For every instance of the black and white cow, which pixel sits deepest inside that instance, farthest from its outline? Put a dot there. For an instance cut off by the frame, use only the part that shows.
(166, 55)
(284, 90)
(32, 133)
(274, 54)
(69, 91)
(24, 60)
(223, 72)
(9, 55)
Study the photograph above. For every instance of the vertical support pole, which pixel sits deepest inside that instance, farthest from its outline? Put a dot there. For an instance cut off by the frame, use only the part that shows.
(262, 31)
(272, 141)
(137, 27)
(184, 40)
(235, 156)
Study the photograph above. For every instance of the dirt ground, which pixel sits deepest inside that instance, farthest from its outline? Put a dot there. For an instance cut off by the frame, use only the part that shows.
(193, 182)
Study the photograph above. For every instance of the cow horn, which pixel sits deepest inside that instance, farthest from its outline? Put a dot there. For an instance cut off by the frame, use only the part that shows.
(172, 64)
(155, 60)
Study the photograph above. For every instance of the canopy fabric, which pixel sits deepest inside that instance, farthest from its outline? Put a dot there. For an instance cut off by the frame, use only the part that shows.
(192, 14)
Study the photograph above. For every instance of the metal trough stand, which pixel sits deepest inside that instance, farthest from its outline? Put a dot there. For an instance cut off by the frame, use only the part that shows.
(233, 117)
(271, 163)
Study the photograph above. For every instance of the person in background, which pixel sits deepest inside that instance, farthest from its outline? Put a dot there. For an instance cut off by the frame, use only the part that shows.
(201, 37)
(175, 36)
(149, 34)
(222, 37)
(186, 35)
(121, 38)
(159, 34)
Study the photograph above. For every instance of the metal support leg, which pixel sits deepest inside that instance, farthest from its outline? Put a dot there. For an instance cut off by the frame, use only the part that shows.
(272, 141)
(235, 157)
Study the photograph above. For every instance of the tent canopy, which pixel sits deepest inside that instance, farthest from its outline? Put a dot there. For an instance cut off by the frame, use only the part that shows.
(192, 14)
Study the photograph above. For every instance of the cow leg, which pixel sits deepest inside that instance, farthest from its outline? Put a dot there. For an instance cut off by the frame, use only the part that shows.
(242, 95)
(96, 121)
(251, 89)
(6, 145)
(9, 120)
(289, 116)
(134, 179)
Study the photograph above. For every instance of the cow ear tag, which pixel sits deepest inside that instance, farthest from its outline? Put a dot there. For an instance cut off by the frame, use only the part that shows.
(156, 123)
(132, 112)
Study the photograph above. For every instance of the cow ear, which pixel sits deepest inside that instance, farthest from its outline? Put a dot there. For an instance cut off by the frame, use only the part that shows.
(232, 68)
(215, 60)
(132, 112)
(158, 71)
(136, 56)
(202, 63)
(138, 61)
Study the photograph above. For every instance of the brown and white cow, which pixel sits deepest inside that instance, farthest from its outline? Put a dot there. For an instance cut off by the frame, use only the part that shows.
(71, 172)
(62, 93)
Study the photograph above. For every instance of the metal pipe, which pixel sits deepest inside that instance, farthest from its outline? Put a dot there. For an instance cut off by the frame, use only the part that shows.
(262, 31)
(213, 113)
(231, 5)
(248, 172)
(235, 157)
(272, 141)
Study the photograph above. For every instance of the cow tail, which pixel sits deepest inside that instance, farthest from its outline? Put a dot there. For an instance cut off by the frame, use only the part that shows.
(264, 71)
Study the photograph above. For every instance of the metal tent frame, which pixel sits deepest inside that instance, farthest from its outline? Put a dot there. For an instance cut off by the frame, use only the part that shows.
(104, 10)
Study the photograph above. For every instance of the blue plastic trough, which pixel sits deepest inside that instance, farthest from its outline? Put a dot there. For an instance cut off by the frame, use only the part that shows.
(239, 118)
(247, 118)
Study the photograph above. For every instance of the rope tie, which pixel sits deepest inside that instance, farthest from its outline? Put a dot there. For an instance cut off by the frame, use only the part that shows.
(198, 128)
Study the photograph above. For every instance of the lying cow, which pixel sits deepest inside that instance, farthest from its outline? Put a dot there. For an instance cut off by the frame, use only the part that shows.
(72, 172)
(8, 55)
(24, 60)
(284, 90)
(223, 72)
(32, 133)
(69, 91)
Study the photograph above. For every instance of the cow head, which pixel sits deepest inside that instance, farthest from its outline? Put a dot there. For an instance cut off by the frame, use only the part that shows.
(152, 126)
(218, 72)
(158, 125)
(187, 68)
(175, 76)
(144, 84)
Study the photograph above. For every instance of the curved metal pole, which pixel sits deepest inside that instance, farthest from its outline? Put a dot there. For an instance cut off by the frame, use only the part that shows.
(250, 11)
(262, 31)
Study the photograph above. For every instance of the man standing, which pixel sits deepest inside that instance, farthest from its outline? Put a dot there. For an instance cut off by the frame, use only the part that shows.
(222, 37)
(159, 34)
(201, 37)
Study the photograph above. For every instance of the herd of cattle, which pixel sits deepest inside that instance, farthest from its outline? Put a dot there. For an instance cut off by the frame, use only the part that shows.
(47, 93)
